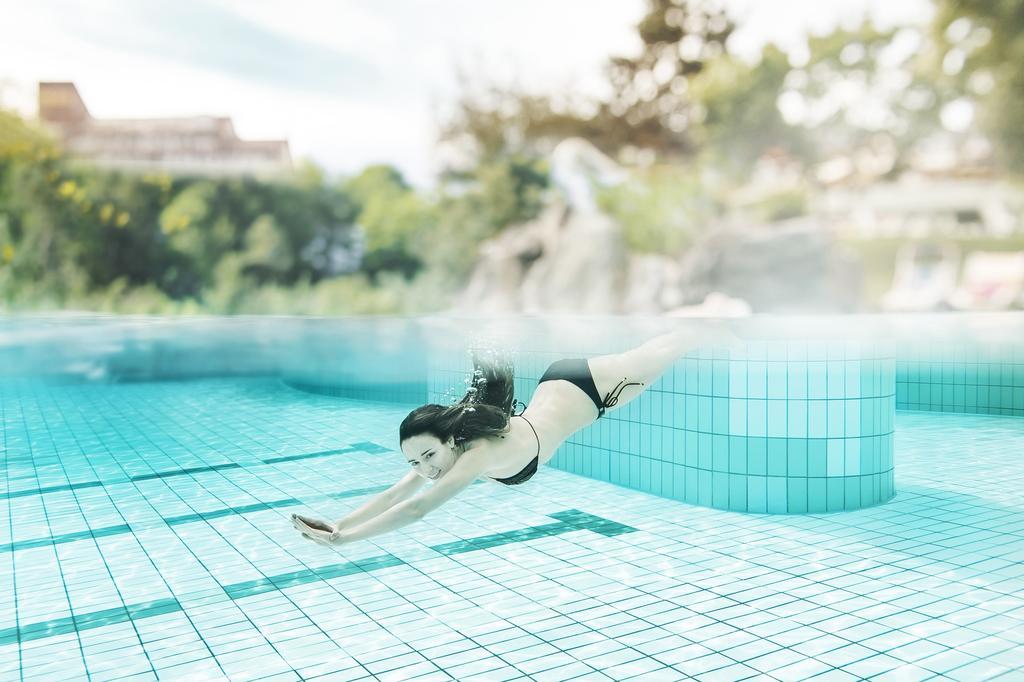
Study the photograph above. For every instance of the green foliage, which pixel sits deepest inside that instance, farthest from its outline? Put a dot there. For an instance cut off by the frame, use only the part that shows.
(662, 210)
(392, 218)
(780, 205)
(72, 234)
(741, 118)
(197, 235)
(229, 284)
(18, 140)
(650, 92)
(75, 236)
(39, 206)
(649, 105)
(510, 190)
(979, 56)
(267, 255)
(477, 205)
(374, 181)
(352, 294)
(859, 87)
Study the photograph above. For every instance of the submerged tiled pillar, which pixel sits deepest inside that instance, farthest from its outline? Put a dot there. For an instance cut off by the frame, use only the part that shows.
(374, 359)
(781, 427)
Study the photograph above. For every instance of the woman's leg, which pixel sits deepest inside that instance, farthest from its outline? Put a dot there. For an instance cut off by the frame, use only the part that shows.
(626, 375)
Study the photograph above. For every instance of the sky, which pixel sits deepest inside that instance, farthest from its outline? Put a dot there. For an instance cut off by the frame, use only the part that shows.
(352, 82)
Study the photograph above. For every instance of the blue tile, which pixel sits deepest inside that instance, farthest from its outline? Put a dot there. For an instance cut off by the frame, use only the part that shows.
(518, 564)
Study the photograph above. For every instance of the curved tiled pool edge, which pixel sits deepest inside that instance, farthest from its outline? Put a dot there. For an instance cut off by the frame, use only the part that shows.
(411, 392)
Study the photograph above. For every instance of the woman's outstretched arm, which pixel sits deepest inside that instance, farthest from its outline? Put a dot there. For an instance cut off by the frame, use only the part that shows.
(459, 477)
(383, 501)
(377, 504)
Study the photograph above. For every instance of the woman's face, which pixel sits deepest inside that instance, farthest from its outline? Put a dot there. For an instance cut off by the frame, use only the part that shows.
(428, 456)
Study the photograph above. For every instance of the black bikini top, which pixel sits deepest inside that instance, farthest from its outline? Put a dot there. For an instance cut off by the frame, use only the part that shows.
(530, 469)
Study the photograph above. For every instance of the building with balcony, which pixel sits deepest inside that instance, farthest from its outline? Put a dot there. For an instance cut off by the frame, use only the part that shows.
(204, 145)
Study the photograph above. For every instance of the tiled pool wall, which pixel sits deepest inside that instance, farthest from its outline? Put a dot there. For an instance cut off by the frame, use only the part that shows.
(137, 348)
(962, 377)
(383, 360)
(781, 427)
(409, 392)
(365, 358)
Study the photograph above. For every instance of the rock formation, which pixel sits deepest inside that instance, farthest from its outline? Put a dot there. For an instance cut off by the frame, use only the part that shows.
(573, 258)
(788, 267)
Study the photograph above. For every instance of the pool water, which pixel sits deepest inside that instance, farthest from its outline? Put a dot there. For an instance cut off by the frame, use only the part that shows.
(147, 535)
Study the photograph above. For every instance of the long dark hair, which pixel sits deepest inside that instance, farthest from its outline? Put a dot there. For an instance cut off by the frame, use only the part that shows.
(484, 410)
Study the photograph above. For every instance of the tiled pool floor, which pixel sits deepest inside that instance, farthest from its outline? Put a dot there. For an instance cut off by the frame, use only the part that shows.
(146, 535)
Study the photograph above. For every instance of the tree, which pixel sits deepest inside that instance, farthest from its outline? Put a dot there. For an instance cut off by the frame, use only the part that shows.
(39, 206)
(649, 107)
(980, 56)
(390, 215)
(198, 233)
(268, 255)
(742, 120)
(864, 87)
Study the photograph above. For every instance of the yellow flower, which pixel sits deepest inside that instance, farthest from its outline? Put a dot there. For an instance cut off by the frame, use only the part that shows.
(106, 212)
(177, 224)
(122, 219)
(67, 188)
(8, 253)
(172, 221)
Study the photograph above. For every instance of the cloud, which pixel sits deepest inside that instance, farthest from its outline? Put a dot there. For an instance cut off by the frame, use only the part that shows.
(209, 37)
(336, 25)
(348, 82)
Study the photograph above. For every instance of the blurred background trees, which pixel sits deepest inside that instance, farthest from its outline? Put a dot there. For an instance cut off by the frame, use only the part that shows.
(697, 125)
(978, 53)
(650, 106)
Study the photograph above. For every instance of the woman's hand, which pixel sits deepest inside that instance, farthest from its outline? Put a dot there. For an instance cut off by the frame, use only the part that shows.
(318, 531)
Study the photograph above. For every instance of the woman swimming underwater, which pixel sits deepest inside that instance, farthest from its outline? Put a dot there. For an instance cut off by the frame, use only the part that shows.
(482, 436)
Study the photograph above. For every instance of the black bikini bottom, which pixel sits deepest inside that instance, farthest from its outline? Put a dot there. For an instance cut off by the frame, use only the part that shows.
(576, 371)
